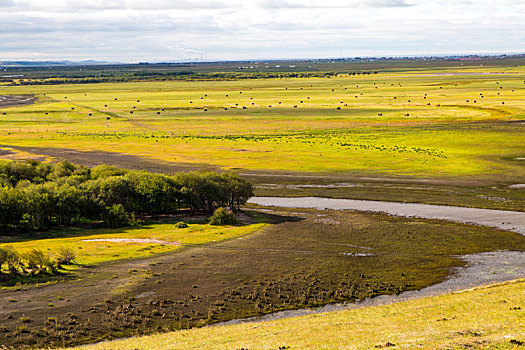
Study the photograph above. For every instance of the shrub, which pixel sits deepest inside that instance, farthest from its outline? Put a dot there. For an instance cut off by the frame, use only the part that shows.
(104, 170)
(37, 260)
(12, 259)
(65, 256)
(181, 224)
(116, 216)
(3, 257)
(223, 216)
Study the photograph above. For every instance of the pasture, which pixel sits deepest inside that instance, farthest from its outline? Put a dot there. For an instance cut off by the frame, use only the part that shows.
(423, 124)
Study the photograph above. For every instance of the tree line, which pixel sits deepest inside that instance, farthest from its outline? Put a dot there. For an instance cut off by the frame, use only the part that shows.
(36, 195)
(175, 76)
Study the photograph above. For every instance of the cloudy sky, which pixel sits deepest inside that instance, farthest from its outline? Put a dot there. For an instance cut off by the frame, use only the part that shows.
(170, 30)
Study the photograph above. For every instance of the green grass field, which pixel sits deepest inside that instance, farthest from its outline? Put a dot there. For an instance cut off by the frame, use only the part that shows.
(186, 122)
(95, 246)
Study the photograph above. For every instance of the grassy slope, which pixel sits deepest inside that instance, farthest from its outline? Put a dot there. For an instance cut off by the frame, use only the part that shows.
(488, 317)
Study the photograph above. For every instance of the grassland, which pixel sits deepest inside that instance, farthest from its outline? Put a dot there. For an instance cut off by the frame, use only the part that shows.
(186, 122)
(483, 318)
(96, 246)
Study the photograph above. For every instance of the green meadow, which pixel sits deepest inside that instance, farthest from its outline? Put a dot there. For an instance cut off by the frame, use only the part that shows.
(424, 123)
(97, 246)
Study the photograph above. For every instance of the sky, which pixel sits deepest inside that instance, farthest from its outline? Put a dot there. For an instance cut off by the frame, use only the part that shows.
(182, 30)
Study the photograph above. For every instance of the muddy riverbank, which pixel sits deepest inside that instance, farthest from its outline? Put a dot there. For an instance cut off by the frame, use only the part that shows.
(481, 269)
(502, 219)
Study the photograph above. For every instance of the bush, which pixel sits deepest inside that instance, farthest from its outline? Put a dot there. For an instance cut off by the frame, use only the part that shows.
(37, 260)
(104, 170)
(223, 216)
(116, 216)
(30, 263)
(12, 259)
(181, 224)
(3, 257)
(65, 256)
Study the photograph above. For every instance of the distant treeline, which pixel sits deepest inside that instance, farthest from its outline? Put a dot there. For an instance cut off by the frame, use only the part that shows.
(183, 75)
(36, 195)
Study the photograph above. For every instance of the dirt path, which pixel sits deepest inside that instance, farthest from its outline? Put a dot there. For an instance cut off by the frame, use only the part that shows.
(506, 220)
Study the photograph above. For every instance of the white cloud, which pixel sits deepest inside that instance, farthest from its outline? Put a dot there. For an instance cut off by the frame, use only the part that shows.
(156, 30)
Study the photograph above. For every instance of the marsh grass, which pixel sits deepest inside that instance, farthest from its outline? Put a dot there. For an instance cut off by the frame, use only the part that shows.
(481, 318)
